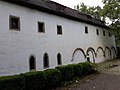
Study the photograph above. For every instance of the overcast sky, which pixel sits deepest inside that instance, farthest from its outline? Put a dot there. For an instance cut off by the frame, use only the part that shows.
(72, 3)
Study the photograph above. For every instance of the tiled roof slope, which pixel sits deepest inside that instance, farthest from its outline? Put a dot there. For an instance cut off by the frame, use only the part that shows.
(59, 10)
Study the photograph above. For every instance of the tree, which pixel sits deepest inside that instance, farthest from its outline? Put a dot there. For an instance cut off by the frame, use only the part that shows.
(110, 13)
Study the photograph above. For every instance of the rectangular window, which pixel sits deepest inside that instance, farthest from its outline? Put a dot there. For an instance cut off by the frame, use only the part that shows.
(86, 29)
(14, 23)
(103, 33)
(41, 27)
(59, 30)
(109, 34)
(97, 31)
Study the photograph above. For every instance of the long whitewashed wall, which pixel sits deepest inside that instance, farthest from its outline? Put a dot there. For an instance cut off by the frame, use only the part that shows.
(17, 46)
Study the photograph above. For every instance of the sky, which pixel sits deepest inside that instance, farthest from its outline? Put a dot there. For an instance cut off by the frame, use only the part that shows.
(72, 3)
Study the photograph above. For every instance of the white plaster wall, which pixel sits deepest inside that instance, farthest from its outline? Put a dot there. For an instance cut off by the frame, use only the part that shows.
(17, 46)
(78, 57)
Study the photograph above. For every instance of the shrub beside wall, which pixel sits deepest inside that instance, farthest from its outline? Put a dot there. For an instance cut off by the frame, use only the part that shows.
(66, 72)
(87, 68)
(49, 78)
(77, 69)
(53, 78)
(34, 80)
(12, 83)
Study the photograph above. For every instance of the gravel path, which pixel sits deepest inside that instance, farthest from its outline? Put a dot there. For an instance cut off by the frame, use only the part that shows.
(107, 79)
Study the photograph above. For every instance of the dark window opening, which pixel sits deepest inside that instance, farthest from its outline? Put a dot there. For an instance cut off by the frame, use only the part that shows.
(46, 60)
(32, 63)
(88, 58)
(14, 23)
(109, 34)
(103, 33)
(59, 30)
(97, 31)
(41, 27)
(59, 59)
(86, 29)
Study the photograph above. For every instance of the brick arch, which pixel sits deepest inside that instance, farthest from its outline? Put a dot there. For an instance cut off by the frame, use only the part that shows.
(78, 49)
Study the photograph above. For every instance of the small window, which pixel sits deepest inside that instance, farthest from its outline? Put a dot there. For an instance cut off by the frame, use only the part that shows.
(103, 33)
(32, 63)
(59, 30)
(59, 59)
(86, 29)
(109, 34)
(97, 31)
(41, 27)
(14, 23)
(46, 60)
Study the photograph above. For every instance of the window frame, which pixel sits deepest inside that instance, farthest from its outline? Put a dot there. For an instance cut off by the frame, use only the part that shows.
(59, 30)
(109, 34)
(97, 31)
(104, 33)
(10, 23)
(43, 27)
(44, 61)
(86, 29)
(59, 60)
(34, 64)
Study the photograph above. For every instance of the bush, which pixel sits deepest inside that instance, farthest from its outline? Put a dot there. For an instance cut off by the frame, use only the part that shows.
(66, 72)
(34, 80)
(77, 69)
(87, 67)
(15, 82)
(53, 78)
(49, 78)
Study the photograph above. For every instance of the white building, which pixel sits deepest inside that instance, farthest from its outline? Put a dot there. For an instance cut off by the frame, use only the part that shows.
(37, 34)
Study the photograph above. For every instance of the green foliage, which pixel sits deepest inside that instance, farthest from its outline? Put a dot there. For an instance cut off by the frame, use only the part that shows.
(77, 69)
(15, 82)
(50, 78)
(66, 72)
(87, 67)
(109, 13)
(90, 10)
(53, 78)
(111, 10)
(34, 80)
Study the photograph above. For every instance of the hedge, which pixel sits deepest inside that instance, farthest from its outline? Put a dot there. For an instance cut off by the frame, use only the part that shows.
(53, 78)
(66, 72)
(77, 69)
(15, 82)
(87, 67)
(34, 80)
(49, 78)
